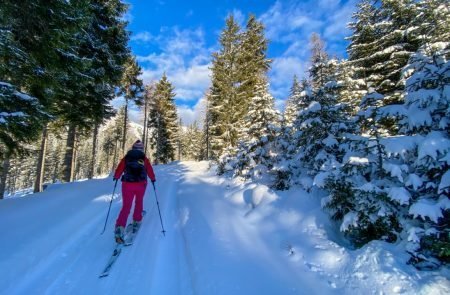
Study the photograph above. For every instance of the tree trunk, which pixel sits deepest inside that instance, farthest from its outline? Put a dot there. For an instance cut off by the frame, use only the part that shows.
(41, 162)
(69, 157)
(3, 177)
(94, 152)
(114, 157)
(144, 136)
(124, 137)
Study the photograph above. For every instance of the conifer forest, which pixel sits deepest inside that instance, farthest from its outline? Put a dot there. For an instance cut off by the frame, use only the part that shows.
(370, 131)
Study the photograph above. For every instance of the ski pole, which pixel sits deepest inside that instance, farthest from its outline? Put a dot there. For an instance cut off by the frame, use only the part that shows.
(109, 209)
(157, 203)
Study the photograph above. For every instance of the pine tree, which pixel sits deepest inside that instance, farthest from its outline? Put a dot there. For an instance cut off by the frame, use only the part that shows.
(363, 189)
(381, 44)
(191, 139)
(164, 122)
(319, 70)
(148, 95)
(292, 103)
(224, 98)
(426, 122)
(253, 63)
(132, 89)
(253, 157)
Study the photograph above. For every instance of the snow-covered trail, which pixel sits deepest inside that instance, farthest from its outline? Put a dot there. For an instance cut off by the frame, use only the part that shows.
(222, 238)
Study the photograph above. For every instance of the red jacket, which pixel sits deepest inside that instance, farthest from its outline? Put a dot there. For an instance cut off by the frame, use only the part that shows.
(148, 168)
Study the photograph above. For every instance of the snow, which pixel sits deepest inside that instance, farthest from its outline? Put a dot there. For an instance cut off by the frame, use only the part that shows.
(330, 141)
(399, 194)
(427, 208)
(400, 145)
(434, 144)
(224, 236)
(395, 170)
(358, 161)
(312, 108)
(415, 181)
(320, 179)
(351, 218)
(445, 182)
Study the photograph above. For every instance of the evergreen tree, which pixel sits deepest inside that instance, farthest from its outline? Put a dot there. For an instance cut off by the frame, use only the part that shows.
(224, 100)
(253, 63)
(292, 103)
(148, 95)
(132, 89)
(427, 181)
(254, 155)
(34, 48)
(363, 193)
(381, 44)
(319, 70)
(192, 142)
(163, 122)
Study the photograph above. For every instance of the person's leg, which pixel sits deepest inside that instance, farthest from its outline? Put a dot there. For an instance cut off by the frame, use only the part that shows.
(127, 202)
(139, 203)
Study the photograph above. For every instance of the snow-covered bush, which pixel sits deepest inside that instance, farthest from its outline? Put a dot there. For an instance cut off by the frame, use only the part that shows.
(427, 117)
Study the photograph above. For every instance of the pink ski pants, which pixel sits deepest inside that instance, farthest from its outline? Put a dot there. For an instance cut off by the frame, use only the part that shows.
(129, 191)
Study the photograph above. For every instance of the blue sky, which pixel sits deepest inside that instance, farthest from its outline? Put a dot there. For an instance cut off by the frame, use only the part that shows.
(178, 37)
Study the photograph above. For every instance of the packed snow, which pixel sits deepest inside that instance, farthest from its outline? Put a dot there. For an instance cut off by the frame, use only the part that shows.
(223, 236)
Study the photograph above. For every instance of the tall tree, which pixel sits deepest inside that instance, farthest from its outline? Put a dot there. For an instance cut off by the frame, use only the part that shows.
(254, 151)
(164, 121)
(132, 89)
(101, 54)
(224, 93)
(319, 70)
(148, 95)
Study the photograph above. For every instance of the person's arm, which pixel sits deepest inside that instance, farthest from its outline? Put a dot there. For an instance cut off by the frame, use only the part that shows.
(149, 169)
(119, 169)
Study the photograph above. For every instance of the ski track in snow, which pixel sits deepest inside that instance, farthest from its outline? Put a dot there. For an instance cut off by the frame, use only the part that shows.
(222, 237)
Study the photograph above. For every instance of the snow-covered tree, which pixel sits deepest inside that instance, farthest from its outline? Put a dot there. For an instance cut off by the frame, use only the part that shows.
(427, 119)
(364, 192)
(163, 122)
(236, 68)
(191, 139)
(292, 103)
(255, 151)
(223, 102)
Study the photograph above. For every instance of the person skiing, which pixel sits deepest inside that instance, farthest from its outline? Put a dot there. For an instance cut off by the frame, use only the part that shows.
(135, 168)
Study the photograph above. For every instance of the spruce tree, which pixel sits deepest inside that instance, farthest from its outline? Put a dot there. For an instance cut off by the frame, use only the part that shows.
(163, 122)
(132, 90)
(224, 100)
(254, 155)
(426, 122)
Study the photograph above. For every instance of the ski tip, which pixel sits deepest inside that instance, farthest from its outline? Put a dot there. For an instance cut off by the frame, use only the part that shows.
(105, 274)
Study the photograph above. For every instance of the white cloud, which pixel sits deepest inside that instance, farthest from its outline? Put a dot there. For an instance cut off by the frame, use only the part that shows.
(291, 23)
(142, 36)
(284, 68)
(185, 60)
(190, 114)
(239, 17)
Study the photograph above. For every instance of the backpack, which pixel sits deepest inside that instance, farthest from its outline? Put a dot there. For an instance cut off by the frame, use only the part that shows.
(134, 167)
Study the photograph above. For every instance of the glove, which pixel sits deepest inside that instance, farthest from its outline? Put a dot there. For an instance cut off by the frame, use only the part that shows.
(153, 180)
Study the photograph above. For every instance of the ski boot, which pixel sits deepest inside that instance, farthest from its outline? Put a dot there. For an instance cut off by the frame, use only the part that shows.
(119, 235)
(136, 225)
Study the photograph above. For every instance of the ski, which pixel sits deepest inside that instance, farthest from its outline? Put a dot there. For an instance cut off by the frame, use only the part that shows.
(129, 238)
(111, 260)
(131, 234)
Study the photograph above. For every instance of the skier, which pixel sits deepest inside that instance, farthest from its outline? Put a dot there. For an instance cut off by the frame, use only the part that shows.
(135, 168)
